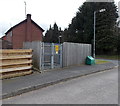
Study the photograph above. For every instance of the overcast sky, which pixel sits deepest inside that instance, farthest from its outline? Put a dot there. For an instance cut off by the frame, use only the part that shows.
(44, 12)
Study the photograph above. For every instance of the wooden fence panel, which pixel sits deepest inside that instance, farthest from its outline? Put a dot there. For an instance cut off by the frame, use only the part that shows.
(15, 62)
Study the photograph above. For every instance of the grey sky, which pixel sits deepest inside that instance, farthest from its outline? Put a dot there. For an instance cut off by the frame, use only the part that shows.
(44, 12)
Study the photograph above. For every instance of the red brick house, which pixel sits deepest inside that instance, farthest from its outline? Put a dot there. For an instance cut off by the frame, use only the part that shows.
(4, 38)
(26, 30)
(4, 44)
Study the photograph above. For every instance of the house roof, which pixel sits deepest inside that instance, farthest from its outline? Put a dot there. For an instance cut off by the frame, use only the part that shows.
(2, 37)
(5, 40)
(23, 22)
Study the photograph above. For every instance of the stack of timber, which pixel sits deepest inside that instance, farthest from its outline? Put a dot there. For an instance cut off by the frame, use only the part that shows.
(15, 62)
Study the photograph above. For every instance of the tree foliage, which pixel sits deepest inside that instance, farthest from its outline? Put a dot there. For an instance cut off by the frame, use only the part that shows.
(81, 28)
(52, 35)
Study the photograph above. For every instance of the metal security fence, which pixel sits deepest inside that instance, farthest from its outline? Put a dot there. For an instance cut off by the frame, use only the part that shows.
(75, 53)
(37, 52)
(45, 55)
(52, 55)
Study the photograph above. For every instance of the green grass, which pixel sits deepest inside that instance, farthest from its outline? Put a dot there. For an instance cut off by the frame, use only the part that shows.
(98, 61)
(111, 57)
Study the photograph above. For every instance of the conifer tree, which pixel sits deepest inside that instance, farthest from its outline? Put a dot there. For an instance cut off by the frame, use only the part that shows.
(81, 28)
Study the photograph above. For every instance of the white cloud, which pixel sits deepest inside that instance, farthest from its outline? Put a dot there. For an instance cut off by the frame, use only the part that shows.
(44, 12)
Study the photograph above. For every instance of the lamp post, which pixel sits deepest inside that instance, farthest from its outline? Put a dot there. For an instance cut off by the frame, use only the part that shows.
(102, 10)
(59, 38)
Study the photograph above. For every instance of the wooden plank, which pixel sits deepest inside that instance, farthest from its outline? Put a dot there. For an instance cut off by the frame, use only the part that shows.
(14, 63)
(15, 69)
(15, 60)
(17, 74)
(13, 66)
(15, 57)
(16, 51)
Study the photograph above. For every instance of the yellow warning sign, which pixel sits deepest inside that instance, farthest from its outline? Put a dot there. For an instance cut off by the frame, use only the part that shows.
(56, 49)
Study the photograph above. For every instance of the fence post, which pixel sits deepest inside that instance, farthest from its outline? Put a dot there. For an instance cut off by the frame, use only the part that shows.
(42, 58)
(61, 54)
(52, 56)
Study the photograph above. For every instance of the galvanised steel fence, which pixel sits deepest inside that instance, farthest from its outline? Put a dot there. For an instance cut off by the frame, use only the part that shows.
(52, 55)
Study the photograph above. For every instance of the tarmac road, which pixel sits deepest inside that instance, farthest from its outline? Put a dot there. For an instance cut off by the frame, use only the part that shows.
(97, 88)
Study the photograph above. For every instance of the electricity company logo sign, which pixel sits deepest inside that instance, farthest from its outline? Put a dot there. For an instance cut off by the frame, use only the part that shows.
(56, 48)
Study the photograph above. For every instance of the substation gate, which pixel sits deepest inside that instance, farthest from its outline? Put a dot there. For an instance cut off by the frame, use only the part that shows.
(51, 56)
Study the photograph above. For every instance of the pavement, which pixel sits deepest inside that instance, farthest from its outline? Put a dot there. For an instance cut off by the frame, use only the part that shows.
(16, 86)
(98, 88)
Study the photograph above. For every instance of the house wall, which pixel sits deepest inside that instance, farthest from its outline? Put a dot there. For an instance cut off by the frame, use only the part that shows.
(19, 36)
(36, 33)
(4, 44)
(4, 38)
(26, 31)
(8, 37)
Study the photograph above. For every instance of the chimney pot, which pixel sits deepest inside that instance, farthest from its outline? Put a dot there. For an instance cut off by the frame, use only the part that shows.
(28, 16)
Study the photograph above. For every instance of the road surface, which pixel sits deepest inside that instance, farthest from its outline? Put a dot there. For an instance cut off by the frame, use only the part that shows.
(98, 88)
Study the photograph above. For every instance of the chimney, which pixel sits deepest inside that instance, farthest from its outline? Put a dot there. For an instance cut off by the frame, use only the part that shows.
(28, 28)
(29, 16)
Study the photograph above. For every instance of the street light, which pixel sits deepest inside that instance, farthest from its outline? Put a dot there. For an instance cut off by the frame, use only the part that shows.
(102, 10)
(59, 38)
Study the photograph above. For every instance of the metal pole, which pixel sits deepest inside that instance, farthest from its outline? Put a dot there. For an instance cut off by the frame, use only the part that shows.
(59, 39)
(43, 54)
(52, 56)
(25, 8)
(94, 34)
(61, 54)
(40, 52)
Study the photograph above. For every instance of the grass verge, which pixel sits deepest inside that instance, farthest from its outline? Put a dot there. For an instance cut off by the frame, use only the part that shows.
(111, 57)
(98, 61)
